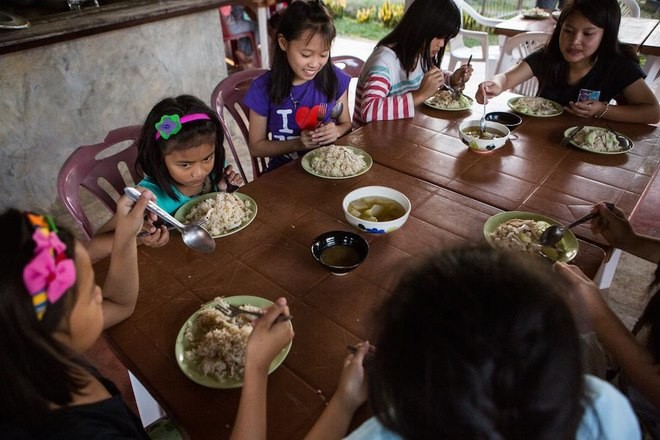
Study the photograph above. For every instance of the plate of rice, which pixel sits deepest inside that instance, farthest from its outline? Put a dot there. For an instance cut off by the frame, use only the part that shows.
(224, 213)
(210, 347)
(443, 100)
(599, 140)
(520, 231)
(533, 106)
(337, 162)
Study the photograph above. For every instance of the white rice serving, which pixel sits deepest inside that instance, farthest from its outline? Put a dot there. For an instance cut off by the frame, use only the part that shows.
(519, 235)
(215, 343)
(336, 161)
(223, 212)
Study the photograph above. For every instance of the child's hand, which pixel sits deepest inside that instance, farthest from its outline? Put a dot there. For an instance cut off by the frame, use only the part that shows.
(153, 236)
(352, 387)
(433, 80)
(612, 225)
(586, 109)
(307, 139)
(129, 216)
(491, 89)
(461, 75)
(325, 134)
(583, 297)
(231, 177)
(268, 337)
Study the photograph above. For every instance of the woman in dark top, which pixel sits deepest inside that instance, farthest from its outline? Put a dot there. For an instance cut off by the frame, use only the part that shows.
(584, 66)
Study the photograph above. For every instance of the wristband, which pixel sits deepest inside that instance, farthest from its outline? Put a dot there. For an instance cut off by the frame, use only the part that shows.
(607, 107)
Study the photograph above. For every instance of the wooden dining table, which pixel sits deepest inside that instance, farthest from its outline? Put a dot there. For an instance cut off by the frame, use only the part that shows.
(532, 172)
(271, 258)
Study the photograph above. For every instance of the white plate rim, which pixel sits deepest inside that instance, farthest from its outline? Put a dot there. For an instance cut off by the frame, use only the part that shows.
(569, 130)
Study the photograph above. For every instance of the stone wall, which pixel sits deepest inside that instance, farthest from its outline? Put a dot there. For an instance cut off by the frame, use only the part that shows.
(60, 96)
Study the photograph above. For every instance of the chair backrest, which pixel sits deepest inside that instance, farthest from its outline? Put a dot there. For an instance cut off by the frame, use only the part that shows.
(629, 8)
(103, 169)
(515, 49)
(349, 64)
(228, 95)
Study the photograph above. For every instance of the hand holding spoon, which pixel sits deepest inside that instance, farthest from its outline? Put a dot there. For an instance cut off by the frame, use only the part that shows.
(554, 233)
(194, 236)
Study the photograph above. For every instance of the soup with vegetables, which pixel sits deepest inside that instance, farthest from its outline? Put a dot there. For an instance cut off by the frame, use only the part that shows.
(376, 209)
(489, 133)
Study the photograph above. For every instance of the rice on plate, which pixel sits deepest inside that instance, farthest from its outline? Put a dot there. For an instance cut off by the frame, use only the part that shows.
(443, 99)
(336, 161)
(223, 212)
(535, 106)
(215, 343)
(519, 235)
(599, 140)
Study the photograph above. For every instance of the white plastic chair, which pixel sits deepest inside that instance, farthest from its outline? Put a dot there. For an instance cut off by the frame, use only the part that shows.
(515, 49)
(458, 51)
(629, 8)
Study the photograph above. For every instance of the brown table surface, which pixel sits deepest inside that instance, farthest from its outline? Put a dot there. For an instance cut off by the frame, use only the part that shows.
(633, 31)
(532, 172)
(271, 258)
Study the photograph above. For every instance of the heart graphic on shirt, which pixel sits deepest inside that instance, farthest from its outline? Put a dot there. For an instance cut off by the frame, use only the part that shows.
(306, 117)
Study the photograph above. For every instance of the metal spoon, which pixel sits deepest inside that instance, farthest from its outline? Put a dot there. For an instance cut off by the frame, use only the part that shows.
(194, 236)
(554, 233)
(336, 110)
(482, 123)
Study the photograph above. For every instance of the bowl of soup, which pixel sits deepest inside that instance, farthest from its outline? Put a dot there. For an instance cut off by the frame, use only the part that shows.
(494, 137)
(376, 209)
(340, 251)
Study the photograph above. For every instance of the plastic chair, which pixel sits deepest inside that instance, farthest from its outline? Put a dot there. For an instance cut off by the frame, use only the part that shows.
(228, 95)
(230, 39)
(349, 64)
(101, 169)
(629, 8)
(458, 51)
(515, 49)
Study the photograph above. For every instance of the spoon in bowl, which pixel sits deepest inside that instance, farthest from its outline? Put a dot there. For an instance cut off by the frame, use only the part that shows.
(554, 233)
(482, 122)
(194, 236)
(336, 110)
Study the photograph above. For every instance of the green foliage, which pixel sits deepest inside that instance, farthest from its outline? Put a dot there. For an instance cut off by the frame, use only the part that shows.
(366, 14)
(336, 7)
(390, 14)
(350, 27)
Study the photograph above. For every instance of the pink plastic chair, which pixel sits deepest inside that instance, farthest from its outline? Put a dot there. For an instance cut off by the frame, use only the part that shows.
(100, 169)
(228, 95)
(349, 64)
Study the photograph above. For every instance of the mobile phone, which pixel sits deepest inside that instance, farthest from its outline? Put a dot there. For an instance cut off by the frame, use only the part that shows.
(588, 95)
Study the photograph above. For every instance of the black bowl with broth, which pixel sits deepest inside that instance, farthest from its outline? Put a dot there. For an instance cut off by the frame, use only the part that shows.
(340, 251)
(510, 120)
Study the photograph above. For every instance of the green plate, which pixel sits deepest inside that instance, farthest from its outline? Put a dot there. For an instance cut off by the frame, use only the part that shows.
(306, 162)
(513, 105)
(189, 368)
(429, 102)
(184, 210)
(625, 143)
(568, 243)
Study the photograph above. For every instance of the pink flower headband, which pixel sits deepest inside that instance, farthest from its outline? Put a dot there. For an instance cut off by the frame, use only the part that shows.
(171, 124)
(50, 273)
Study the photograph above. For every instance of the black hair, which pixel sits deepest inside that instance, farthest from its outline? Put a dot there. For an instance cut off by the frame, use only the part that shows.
(302, 17)
(475, 343)
(605, 14)
(651, 317)
(423, 21)
(35, 369)
(151, 151)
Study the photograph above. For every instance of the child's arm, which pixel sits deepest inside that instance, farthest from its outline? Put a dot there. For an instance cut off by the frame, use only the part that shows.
(351, 393)
(636, 362)
(122, 282)
(261, 146)
(266, 341)
(642, 106)
(517, 74)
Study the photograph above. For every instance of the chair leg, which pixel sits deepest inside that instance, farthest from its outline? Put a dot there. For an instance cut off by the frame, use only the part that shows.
(148, 408)
(605, 274)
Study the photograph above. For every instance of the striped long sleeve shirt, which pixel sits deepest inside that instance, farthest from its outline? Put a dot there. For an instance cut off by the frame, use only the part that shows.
(384, 91)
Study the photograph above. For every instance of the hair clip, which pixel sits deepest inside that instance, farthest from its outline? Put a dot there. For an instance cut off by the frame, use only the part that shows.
(50, 273)
(171, 124)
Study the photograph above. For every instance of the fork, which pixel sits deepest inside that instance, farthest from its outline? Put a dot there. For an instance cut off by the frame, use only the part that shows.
(320, 116)
(567, 139)
(233, 311)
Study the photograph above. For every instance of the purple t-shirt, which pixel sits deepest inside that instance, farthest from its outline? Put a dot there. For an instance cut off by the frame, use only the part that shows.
(282, 123)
